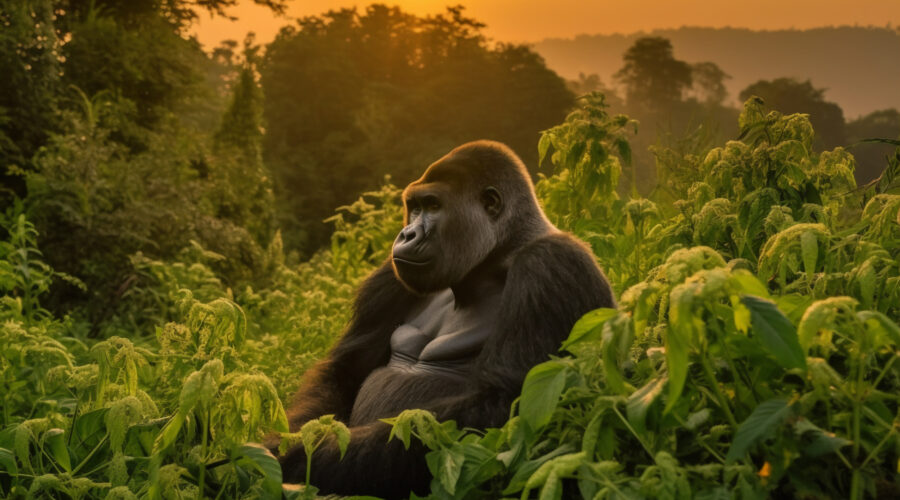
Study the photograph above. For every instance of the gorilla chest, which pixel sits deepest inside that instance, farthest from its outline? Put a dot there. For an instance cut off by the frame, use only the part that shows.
(432, 355)
(440, 337)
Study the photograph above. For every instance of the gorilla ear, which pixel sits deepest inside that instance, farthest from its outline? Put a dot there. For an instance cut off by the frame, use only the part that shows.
(492, 201)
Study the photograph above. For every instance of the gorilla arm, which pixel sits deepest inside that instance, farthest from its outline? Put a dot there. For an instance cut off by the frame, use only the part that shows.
(330, 387)
(550, 284)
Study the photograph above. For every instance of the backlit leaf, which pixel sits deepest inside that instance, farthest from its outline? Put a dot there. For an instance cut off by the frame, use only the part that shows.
(775, 332)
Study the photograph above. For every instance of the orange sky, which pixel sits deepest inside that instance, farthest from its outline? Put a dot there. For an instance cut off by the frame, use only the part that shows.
(534, 20)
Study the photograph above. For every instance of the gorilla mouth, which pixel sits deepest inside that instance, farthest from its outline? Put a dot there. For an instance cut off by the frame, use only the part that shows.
(412, 262)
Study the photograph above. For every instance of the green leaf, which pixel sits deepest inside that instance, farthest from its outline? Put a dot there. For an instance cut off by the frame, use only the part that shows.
(55, 441)
(763, 421)
(820, 442)
(446, 465)
(264, 462)
(540, 393)
(87, 432)
(809, 248)
(169, 433)
(677, 339)
(588, 327)
(887, 330)
(543, 146)
(8, 462)
(342, 434)
(748, 283)
(775, 332)
(613, 335)
(552, 489)
(641, 401)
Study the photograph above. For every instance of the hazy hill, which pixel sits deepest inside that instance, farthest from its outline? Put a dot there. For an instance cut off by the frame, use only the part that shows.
(860, 67)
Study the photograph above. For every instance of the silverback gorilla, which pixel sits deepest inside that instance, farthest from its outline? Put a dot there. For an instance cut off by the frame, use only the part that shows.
(479, 288)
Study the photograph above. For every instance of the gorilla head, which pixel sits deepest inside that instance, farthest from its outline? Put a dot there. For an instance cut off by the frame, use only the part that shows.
(471, 206)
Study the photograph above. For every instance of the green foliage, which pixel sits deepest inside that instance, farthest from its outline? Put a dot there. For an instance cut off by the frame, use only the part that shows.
(176, 414)
(788, 95)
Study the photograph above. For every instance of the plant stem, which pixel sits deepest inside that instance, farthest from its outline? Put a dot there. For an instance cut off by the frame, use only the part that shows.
(205, 427)
(855, 485)
(711, 378)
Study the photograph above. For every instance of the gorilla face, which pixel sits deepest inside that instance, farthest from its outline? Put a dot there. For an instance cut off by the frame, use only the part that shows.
(447, 234)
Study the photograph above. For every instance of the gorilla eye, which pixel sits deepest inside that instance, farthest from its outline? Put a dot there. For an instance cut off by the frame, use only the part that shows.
(431, 203)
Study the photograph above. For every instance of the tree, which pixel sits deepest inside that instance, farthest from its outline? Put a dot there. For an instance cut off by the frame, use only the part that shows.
(789, 95)
(242, 185)
(652, 77)
(709, 82)
(30, 84)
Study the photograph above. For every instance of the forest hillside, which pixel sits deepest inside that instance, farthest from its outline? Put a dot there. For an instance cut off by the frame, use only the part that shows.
(859, 66)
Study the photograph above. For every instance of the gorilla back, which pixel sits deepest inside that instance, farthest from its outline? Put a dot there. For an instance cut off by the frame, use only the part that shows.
(479, 288)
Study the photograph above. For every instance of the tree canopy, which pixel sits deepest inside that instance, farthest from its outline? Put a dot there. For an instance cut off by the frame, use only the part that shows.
(651, 74)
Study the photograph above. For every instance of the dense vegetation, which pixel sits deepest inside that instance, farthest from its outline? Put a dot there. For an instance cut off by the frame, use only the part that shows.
(153, 322)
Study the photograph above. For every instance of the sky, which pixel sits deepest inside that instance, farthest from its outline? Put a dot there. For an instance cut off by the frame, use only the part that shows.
(535, 20)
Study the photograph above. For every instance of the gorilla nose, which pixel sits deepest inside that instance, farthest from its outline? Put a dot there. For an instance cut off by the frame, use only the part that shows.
(408, 235)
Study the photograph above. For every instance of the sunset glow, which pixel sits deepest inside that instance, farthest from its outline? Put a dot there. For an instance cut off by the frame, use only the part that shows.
(534, 20)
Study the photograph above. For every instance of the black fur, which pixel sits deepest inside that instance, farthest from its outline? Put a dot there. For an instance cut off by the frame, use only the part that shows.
(547, 280)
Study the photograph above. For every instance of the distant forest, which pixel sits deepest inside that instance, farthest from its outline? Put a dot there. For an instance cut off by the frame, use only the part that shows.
(859, 66)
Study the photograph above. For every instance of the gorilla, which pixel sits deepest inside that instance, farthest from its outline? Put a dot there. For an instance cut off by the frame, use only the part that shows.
(479, 288)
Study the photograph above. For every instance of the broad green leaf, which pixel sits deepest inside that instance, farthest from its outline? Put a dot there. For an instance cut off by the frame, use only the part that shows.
(641, 400)
(342, 434)
(589, 327)
(766, 417)
(748, 283)
(525, 471)
(821, 442)
(552, 489)
(446, 465)
(561, 466)
(540, 393)
(543, 146)
(865, 277)
(8, 462)
(169, 433)
(887, 329)
(87, 432)
(809, 248)
(613, 336)
(55, 440)
(775, 332)
(677, 340)
(264, 462)
(200, 386)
